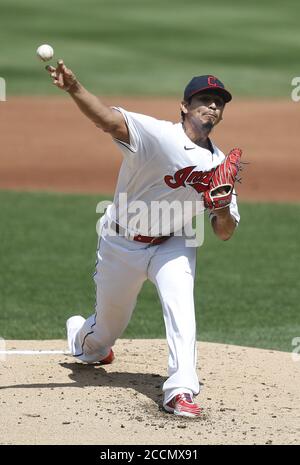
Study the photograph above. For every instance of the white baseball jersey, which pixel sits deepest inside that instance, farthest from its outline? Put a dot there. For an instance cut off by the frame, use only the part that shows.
(161, 164)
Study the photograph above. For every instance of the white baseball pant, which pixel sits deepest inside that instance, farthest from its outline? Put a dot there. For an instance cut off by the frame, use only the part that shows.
(122, 267)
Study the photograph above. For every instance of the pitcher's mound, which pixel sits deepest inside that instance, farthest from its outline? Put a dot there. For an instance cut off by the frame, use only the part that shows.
(248, 396)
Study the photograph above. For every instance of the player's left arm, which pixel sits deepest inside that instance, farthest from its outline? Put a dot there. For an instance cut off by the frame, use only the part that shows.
(223, 223)
(220, 198)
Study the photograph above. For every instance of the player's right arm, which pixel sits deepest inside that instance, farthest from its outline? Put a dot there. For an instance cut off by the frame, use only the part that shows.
(109, 120)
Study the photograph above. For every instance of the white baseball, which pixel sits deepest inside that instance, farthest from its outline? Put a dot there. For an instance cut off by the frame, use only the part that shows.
(45, 52)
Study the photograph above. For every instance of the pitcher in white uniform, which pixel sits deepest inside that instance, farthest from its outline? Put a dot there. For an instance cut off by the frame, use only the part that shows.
(162, 162)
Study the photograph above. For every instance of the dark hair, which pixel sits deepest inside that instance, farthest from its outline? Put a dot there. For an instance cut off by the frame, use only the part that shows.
(183, 114)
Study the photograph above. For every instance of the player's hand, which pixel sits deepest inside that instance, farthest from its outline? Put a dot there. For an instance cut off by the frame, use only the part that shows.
(222, 212)
(62, 77)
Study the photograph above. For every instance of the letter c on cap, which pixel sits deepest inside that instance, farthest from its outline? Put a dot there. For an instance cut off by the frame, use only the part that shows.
(211, 81)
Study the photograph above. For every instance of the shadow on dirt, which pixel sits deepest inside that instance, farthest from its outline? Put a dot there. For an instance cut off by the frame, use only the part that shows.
(148, 384)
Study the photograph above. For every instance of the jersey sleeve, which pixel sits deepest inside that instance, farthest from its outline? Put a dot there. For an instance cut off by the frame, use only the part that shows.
(144, 134)
(233, 207)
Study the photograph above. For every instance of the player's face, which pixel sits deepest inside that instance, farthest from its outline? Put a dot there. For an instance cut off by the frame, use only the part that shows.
(205, 109)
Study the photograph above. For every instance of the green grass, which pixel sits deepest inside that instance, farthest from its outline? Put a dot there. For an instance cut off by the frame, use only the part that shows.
(246, 289)
(151, 47)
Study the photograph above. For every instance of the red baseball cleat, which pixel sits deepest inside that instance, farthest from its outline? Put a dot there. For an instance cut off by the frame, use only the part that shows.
(183, 405)
(109, 359)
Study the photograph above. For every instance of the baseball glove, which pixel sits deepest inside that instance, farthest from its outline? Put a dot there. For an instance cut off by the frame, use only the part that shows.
(221, 185)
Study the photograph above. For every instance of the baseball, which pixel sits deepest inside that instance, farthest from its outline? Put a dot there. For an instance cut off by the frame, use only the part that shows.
(45, 52)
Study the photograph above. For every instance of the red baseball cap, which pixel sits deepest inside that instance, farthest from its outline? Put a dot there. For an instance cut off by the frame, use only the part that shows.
(207, 83)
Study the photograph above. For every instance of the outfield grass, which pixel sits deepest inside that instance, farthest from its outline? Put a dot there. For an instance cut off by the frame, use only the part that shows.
(153, 46)
(246, 289)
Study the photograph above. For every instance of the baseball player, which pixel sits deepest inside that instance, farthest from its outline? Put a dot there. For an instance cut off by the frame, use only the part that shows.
(162, 162)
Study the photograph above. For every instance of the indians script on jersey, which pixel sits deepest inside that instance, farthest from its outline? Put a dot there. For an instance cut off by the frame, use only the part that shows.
(199, 180)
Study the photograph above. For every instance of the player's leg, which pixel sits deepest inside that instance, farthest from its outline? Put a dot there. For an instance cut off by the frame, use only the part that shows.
(120, 273)
(172, 270)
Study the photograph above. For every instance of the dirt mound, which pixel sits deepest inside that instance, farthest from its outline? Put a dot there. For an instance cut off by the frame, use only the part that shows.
(248, 396)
